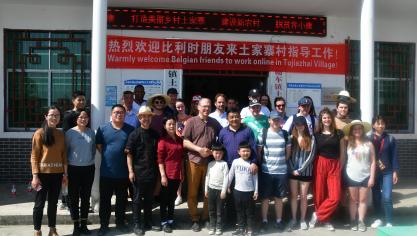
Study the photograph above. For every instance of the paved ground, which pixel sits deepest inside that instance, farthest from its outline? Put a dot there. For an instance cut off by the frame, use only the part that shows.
(20, 230)
(16, 215)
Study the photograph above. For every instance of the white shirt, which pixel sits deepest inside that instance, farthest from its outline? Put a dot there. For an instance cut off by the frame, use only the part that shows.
(246, 112)
(245, 181)
(288, 124)
(221, 118)
(358, 166)
(217, 176)
(137, 106)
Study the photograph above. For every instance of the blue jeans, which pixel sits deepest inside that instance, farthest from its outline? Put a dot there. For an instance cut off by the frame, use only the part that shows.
(382, 195)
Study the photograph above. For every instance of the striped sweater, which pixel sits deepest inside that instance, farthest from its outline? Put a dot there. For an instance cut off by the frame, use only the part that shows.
(301, 160)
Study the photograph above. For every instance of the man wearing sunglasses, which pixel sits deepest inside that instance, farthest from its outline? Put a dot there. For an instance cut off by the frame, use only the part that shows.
(159, 104)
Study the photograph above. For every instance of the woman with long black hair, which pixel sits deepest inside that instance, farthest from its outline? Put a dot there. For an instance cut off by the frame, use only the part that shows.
(49, 169)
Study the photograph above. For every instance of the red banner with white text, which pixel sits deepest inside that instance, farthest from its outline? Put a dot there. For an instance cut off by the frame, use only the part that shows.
(151, 53)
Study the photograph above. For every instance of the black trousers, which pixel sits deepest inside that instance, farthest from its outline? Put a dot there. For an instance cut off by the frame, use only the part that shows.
(108, 186)
(168, 196)
(142, 199)
(80, 181)
(230, 210)
(245, 209)
(51, 187)
(215, 206)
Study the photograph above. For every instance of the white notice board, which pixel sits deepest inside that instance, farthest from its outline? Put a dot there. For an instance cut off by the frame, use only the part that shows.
(151, 86)
(295, 91)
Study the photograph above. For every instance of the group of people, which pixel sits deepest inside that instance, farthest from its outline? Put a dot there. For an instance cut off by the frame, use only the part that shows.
(235, 157)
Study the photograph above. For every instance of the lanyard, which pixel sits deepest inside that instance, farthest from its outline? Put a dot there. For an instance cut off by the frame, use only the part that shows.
(381, 146)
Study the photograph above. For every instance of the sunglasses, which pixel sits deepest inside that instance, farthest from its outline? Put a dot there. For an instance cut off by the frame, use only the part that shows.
(280, 105)
(159, 102)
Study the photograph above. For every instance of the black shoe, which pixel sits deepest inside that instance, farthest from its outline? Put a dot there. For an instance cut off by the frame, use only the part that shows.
(76, 231)
(195, 227)
(103, 230)
(167, 228)
(147, 227)
(239, 231)
(264, 227)
(138, 231)
(84, 230)
(151, 226)
(279, 226)
(83, 227)
(156, 228)
(122, 227)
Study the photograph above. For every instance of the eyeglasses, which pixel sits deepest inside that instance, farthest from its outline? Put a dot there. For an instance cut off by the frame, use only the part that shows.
(159, 102)
(54, 115)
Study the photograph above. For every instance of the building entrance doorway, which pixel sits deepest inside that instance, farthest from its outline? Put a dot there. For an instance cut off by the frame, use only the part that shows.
(235, 84)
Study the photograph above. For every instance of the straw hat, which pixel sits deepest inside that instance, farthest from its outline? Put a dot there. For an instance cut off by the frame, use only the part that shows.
(145, 110)
(152, 98)
(366, 126)
(344, 96)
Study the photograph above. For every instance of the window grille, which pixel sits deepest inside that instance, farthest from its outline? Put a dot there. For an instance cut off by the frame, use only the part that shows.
(394, 71)
(43, 68)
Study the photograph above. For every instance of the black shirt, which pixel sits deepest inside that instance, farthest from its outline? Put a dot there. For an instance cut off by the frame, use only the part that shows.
(143, 144)
(328, 145)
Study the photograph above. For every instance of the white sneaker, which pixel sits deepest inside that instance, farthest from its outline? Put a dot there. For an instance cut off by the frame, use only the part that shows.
(178, 200)
(377, 223)
(62, 206)
(389, 225)
(313, 220)
(329, 226)
(211, 232)
(303, 225)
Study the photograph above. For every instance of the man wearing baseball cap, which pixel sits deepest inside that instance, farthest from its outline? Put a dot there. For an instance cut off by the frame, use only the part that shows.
(273, 146)
(254, 94)
(306, 109)
(256, 121)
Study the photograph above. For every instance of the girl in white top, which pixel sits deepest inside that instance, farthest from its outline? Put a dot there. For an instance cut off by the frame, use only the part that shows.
(360, 170)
